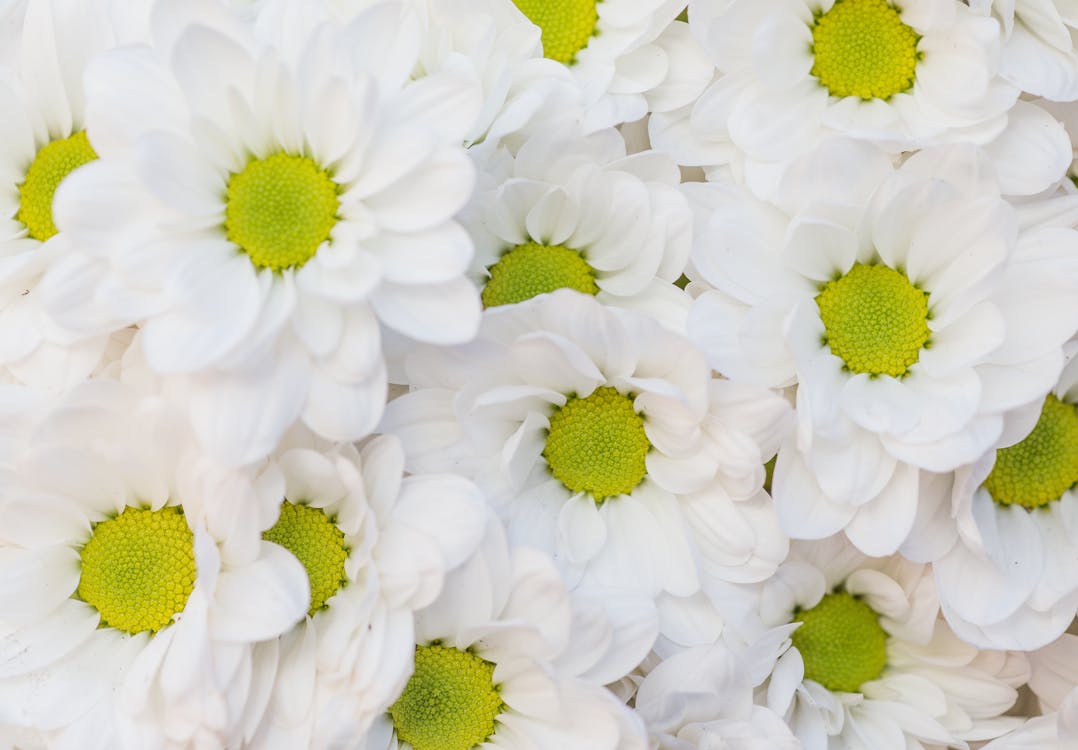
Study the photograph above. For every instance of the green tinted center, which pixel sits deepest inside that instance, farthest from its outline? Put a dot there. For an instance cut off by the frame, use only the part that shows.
(841, 643)
(876, 320)
(280, 210)
(567, 25)
(862, 48)
(1040, 468)
(139, 568)
(450, 703)
(597, 444)
(532, 269)
(52, 164)
(309, 534)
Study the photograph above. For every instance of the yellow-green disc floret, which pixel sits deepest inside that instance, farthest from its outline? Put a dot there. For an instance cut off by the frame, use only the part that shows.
(450, 703)
(876, 320)
(597, 444)
(567, 25)
(309, 534)
(280, 210)
(1039, 469)
(532, 269)
(53, 163)
(862, 48)
(138, 569)
(841, 643)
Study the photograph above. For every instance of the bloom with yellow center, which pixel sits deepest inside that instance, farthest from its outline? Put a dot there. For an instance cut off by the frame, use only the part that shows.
(866, 640)
(277, 235)
(807, 70)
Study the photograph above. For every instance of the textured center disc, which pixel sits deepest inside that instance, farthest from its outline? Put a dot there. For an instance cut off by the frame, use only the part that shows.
(1040, 468)
(862, 48)
(841, 643)
(52, 164)
(450, 702)
(139, 568)
(567, 25)
(597, 444)
(876, 320)
(309, 534)
(280, 210)
(532, 269)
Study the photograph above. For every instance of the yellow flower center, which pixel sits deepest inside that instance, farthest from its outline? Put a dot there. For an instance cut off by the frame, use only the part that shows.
(52, 164)
(450, 703)
(862, 48)
(876, 320)
(280, 210)
(597, 444)
(1040, 468)
(139, 568)
(567, 25)
(309, 534)
(841, 643)
(532, 269)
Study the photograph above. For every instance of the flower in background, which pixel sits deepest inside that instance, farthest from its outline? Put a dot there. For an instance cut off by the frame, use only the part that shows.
(505, 659)
(578, 213)
(872, 664)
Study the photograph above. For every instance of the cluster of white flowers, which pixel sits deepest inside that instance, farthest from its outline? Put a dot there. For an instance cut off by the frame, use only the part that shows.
(538, 374)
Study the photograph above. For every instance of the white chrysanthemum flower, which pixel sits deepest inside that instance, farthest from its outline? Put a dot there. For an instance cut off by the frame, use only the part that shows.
(1039, 54)
(44, 141)
(134, 581)
(910, 325)
(505, 659)
(872, 664)
(1015, 511)
(375, 548)
(601, 438)
(702, 699)
(260, 211)
(613, 50)
(578, 213)
(903, 75)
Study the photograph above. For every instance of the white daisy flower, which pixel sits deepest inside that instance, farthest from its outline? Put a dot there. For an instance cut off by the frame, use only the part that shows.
(503, 659)
(1015, 509)
(578, 213)
(375, 548)
(872, 665)
(258, 212)
(612, 48)
(1039, 54)
(702, 698)
(1052, 731)
(911, 326)
(45, 140)
(904, 75)
(133, 580)
(601, 438)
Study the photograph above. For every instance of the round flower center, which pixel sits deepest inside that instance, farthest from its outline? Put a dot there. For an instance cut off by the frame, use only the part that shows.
(863, 49)
(876, 320)
(52, 164)
(841, 643)
(597, 444)
(139, 568)
(450, 703)
(309, 534)
(1040, 468)
(532, 269)
(280, 210)
(567, 25)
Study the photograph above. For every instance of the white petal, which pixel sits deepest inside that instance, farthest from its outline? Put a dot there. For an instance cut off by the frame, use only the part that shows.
(275, 586)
